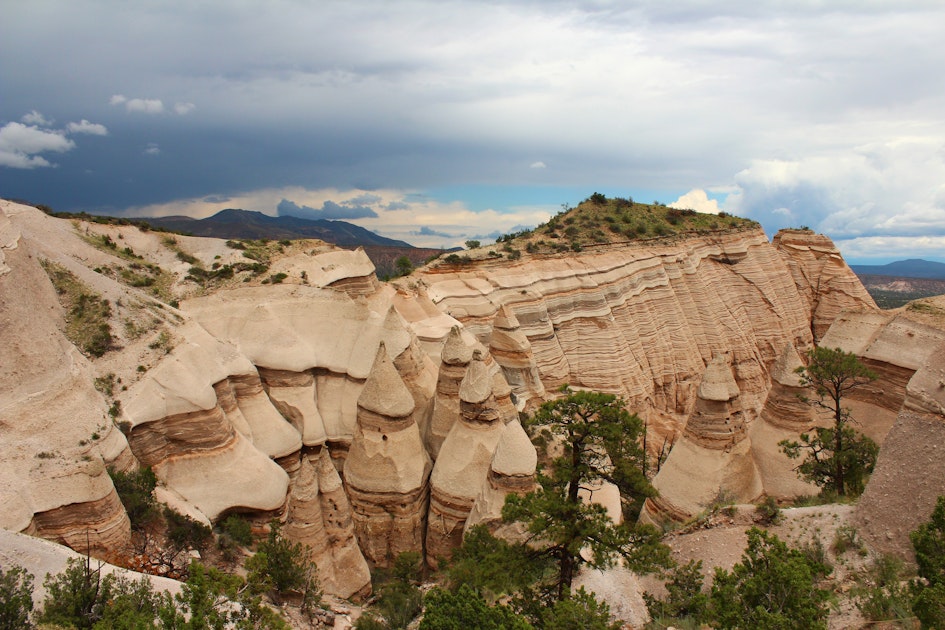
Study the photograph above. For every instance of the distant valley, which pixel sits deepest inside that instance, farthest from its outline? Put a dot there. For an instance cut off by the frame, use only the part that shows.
(897, 283)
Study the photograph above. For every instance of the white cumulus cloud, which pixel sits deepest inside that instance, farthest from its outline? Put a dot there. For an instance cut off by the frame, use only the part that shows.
(152, 149)
(538, 165)
(35, 118)
(184, 108)
(20, 145)
(86, 127)
(697, 200)
(140, 105)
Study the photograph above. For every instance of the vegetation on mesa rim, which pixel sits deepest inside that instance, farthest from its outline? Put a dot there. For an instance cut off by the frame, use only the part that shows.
(599, 220)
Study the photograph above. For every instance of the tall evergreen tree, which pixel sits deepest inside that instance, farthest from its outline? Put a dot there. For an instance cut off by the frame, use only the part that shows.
(839, 459)
(586, 438)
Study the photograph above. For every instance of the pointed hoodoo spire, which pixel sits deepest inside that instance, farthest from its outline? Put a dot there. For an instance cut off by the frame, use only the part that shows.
(463, 462)
(511, 349)
(505, 319)
(717, 421)
(455, 351)
(387, 468)
(384, 392)
(785, 370)
(455, 356)
(476, 387)
(784, 407)
(512, 470)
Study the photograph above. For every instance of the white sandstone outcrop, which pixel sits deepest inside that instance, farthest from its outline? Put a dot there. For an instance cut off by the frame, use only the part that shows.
(712, 460)
(463, 461)
(387, 470)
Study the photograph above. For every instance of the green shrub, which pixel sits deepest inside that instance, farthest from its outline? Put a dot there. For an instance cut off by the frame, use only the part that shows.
(87, 314)
(845, 539)
(184, 532)
(136, 491)
(685, 599)
(444, 610)
(887, 597)
(281, 567)
(238, 529)
(768, 511)
(16, 598)
(773, 587)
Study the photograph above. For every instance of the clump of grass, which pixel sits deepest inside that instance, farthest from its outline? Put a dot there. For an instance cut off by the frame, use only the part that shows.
(163, 342)
(87, 313)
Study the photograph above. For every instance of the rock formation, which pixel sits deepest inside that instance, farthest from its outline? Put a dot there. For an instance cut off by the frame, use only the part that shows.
(454, 357)
(253, 395)
(712, 460)
(463, 461)
(910, 471)
(641, 321)
(55, 433)
(387, 470)
(512, 470)
(837, 288)
(512, 351)
(319, 516)
(784, 416)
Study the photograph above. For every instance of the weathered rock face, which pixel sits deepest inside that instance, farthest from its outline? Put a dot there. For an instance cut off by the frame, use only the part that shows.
(713, 458)
(512, 470)
(784, 416)
(512, 351)
(718, 421)
(463, 462)
(320, 517)
(784, 407)
(640, 321)
(255, 385)
(836, 289)
(910, 471)
(454, 358)
(55, 433)
(387, 470)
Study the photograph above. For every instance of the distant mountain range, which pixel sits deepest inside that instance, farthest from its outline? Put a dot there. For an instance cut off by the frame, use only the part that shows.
(913, 268)
(900, 282)
(233, 223)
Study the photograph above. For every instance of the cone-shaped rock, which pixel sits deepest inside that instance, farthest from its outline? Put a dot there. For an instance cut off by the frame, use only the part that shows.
(718, 421)
(784, 408)
(387, 470)
(454, 358)
(464, 461)
(417, 370)
(512, 470)
(712, 460)
(511, 349)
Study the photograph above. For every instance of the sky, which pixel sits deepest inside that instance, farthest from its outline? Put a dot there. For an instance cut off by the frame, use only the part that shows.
(440, 121)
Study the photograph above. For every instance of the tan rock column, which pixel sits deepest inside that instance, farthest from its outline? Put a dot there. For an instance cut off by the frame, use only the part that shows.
(513, 352)
(387, 470)
(512, 471)
(464, 461)
(712, 460)
(454, 358)
(319, 516)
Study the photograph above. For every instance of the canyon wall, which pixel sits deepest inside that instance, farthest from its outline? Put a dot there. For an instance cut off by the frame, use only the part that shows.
(379, 418)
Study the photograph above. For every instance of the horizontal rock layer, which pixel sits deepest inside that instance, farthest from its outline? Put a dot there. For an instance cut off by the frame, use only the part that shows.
(644, 321)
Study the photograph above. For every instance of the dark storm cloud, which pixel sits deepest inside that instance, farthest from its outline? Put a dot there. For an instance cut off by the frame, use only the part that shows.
(329, 210)
(236, 97)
